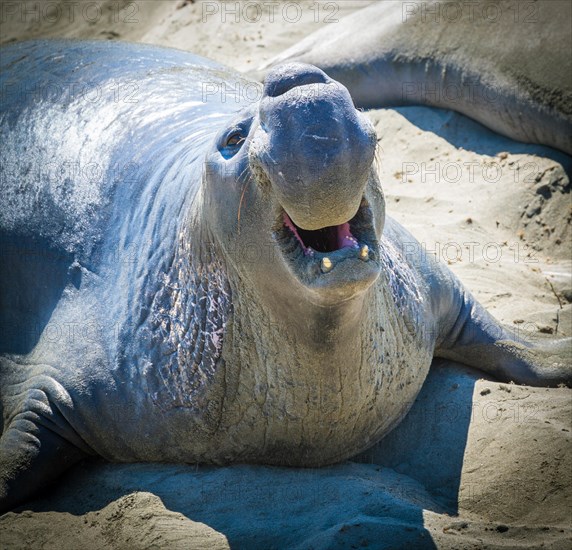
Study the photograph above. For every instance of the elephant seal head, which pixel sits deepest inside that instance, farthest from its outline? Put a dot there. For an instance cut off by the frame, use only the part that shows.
(292, 192)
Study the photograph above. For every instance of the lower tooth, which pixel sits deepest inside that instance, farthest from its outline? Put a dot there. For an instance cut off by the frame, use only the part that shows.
(364, 253)
(326, 265)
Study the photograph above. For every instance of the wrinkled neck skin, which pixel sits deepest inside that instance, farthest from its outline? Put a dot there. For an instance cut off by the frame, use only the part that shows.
(298, 347)
(327, 381)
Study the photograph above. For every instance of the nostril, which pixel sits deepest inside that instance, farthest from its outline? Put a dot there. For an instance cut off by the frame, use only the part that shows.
(291, 75)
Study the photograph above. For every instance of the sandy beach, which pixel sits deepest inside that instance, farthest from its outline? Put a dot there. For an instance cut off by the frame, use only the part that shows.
(496, 211)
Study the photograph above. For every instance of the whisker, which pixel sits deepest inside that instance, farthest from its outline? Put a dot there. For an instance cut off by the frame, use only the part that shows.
(248, 180)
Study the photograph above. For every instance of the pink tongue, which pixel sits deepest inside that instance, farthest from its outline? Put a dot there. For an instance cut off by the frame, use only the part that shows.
(345, 237)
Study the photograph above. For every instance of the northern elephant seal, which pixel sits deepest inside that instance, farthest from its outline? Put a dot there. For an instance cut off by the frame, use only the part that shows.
(198, 277)
(506, 64)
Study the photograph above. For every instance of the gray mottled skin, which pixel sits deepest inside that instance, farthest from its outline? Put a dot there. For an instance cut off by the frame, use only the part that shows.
(506, 64)
(155, 307)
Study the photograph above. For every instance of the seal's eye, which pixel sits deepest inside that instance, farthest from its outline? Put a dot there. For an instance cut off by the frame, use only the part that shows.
(234, 140)
(231, 141)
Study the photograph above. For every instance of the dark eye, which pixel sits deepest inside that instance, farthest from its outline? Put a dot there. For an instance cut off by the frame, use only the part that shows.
(234, 140)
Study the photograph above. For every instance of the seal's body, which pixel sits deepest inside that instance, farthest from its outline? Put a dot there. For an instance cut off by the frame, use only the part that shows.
(197, 269)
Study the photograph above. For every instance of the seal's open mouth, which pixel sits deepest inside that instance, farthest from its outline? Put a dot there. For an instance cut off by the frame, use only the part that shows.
(328, 239)
(315, 253)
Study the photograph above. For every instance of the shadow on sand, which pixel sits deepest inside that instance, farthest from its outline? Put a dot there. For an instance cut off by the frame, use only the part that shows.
(378, 498)
(464, 132)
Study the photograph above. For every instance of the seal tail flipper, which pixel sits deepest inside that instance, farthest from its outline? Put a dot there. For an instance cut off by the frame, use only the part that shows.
(478, 340)
(37, 442)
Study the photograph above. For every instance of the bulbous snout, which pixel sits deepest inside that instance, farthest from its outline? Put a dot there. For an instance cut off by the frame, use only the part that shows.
(314, 146)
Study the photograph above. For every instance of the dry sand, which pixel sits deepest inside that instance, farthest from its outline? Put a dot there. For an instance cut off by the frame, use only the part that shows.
(498, 212)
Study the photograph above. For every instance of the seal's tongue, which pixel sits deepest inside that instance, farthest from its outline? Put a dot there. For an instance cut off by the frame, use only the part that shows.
(327, 239)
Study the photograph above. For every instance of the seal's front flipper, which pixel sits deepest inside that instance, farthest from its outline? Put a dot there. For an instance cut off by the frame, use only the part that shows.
(31, 456)
(37, 444)
(475, 338)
